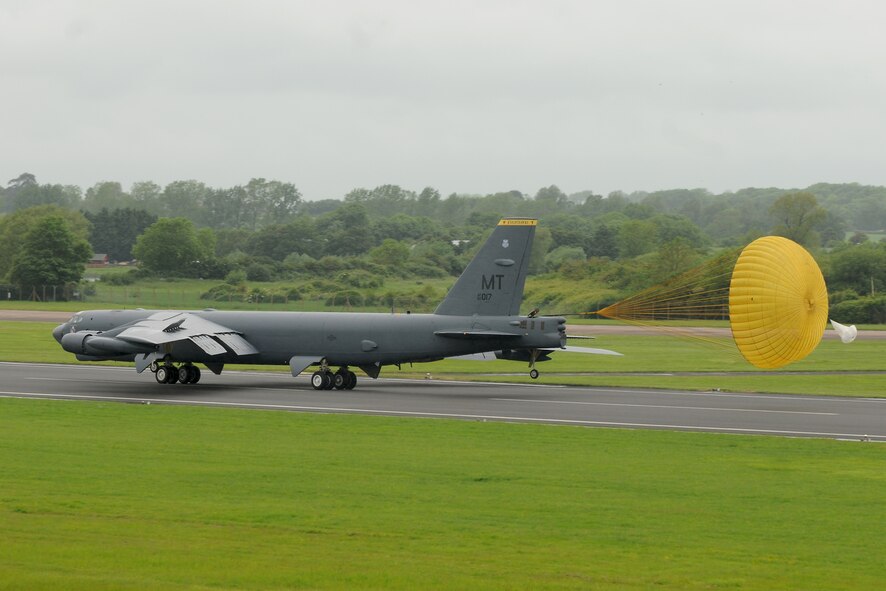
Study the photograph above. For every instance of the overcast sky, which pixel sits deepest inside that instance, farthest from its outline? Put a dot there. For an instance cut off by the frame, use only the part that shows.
(467, 97)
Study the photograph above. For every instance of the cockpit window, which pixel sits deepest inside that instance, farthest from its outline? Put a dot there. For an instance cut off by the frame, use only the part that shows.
(77, 318)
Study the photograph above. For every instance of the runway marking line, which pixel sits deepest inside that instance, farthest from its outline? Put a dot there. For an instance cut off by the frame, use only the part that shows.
(441, 415)
(789, 412)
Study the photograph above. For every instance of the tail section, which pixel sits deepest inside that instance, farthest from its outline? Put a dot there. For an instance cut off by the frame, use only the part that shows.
(492, 284)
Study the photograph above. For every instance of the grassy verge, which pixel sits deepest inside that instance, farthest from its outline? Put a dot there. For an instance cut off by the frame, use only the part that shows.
(646, 357)
(100, 496)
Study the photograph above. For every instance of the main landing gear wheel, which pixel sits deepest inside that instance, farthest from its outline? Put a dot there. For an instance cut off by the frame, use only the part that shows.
(344, 380)
(161, 374)
(321, 380)
(340, 380)
(188, 374)
(166, 374)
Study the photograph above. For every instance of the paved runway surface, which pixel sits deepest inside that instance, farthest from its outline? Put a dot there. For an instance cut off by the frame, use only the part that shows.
(797, 416)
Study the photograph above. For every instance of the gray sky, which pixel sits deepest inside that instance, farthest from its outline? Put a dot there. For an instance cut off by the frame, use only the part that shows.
(468, 97)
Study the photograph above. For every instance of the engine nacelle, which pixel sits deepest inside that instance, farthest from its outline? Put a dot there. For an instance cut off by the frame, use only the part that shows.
(91, 344)
(75, 342)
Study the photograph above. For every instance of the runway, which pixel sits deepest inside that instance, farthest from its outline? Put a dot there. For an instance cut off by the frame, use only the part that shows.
(782, 415)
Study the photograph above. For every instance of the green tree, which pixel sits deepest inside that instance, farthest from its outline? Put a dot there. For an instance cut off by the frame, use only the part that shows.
(635, 237)
(603, 242)
(670, 227)
(183, 199)
(51, 254)
(405, 227)
(106, 195)
(797, 216)
(24, 192)
(278, 241)
(170, 246)
(562, 254)
(673, 257)
(347, 230)
(861, 268)
(15, 226)
(146, 195)
(267, 202)
(390, 252)
(114, 231)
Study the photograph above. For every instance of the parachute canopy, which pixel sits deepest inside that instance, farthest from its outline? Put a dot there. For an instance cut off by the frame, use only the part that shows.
(778, 302)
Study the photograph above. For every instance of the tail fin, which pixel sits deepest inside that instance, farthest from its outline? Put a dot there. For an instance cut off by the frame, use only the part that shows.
(492, 284)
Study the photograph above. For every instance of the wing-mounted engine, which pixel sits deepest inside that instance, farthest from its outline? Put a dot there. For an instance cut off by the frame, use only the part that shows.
(97, 345)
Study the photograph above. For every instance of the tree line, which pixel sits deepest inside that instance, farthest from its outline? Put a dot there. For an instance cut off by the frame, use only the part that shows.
(264, 230)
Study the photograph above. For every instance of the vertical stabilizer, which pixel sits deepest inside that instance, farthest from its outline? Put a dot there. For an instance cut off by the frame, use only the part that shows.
(492, 284)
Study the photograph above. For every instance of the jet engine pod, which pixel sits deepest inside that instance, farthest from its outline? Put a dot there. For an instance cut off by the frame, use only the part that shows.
(75, 342)
(87, 343)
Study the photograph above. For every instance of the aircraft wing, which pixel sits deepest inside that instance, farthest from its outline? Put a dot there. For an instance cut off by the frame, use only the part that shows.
(170, 327)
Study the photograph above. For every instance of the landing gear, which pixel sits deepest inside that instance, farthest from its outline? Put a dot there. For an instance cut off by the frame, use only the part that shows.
(344, 379)
(167, 373)
(163, 373)
(321, 380)
(188, 374)
(533, 356)
(324, 379)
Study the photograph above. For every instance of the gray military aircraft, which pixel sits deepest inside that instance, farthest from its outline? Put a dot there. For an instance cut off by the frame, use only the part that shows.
(479, 318)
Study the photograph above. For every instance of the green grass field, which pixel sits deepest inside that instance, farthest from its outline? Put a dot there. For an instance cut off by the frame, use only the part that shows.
(107, 496)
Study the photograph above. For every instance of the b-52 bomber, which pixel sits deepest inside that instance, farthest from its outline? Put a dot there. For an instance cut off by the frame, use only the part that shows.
(479, 318)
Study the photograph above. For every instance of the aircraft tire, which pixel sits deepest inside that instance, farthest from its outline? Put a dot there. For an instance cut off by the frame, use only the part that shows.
(184, 374)
(160, 374)
(339, 380)
(351, 381)
(533, 374)
(195, 374)
(317, 380)
(328, 383)
(171, 374)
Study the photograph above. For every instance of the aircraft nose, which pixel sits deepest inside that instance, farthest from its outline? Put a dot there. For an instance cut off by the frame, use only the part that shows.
(59, 331)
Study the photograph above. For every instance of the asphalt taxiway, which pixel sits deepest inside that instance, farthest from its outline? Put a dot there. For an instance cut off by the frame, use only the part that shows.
(782, 415)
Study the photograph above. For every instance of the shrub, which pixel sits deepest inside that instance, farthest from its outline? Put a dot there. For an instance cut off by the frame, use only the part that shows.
(236, 277)
(864, 310)
(259, 272)
(225, 292)
(127, 278)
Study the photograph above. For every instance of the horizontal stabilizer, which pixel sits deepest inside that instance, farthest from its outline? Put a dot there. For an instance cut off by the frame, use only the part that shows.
(590, 351)
(486, 356)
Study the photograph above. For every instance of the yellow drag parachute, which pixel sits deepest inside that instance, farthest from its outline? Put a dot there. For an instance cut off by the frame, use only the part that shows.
(778, 302)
